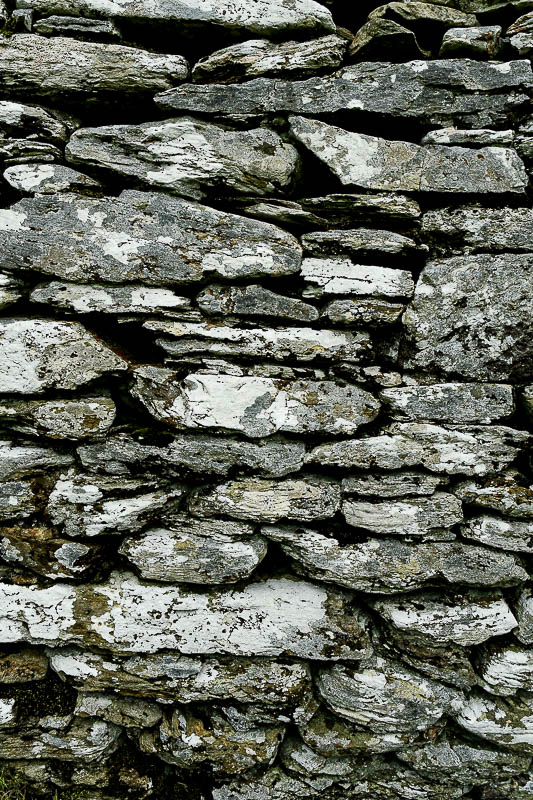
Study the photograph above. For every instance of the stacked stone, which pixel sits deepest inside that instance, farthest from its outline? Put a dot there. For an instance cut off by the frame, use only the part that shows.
(266, 400)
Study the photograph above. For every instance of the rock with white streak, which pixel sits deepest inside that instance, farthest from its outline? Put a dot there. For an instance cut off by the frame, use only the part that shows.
(42, 551)
(140, 236)
(358, 241)
(468, 319)
(11, 290)
(479, 137)
(470, 93)
(506, 722)
(256, 58)
(424, 17)
(280, 344)
(78, 27)
(492, 229)
(503, 494)
(86, 740)
(392, 484)
(61, 68)
(26, 460)
(520, 35)
(429, 517)
(363, 311)
(24, 151)
(505, 534)
(253, 301)
(278, 616)
(466, 619)
(125, 299)
(384, 566)
(8, 712)
(330, 735)
(450, 402)
(40, 354)
(18, 119)
(188, 550)
(473, 450)
(82, 418)
(300, 499)
(48, 179)
(189, 157)
(18, 500)
(369, 162)
(254, 406)
(128, 712)
(342, 276)
(506, 669)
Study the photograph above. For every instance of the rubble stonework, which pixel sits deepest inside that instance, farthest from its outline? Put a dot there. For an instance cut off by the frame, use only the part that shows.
(266, 400)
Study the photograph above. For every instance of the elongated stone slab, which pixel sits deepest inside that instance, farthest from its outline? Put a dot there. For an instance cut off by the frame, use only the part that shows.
(363, 311)
(369, 162)
(270, 618)
(254, 301)
(392, 484)
(506, 669)
(125, 299)
(383, 566)
(86, 740)
(62, 67)
(505, 722)
(189, 157)
(141, 236)
(472, 93)
(128, 712)
(505, 534)
(360, 241)
(492, 229)
(457, 403)
(23, 460)
(82, 418)
(252, 405)
(329, 735)
(418, 516)
(49, 179)
(343, 276)
(503, 494)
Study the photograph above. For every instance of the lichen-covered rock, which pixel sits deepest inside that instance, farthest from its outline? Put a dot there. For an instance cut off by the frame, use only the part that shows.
(465, 619)
(450, 402)
(424, 17)
(504, 534)
(18, 500)
(524, 614)
(369, 162)
(79, 27)
(359, 241)
(384, 566)
(384, 39)
(342, 276)
(300, 499)
(19, 118)
(492, 229)
(40, 354)
(506, 669)
(189, 157)
(128, 712)
(473, 450)
(125, 299)
(85, 740)
(139, 236)
(480, 42)
(254, 406)
(503, 494)
(48, 179)
(331, 735)
(253, 301)
(363, 311)
(22, 666)
(82, 418)
(42, 551)
(190, 551)
(256, 58)
(23, 151)
(60, 68)
(506, 722)
(468, 319)
(472, 93)
(11, 290)
(393, 484)
(429, 517)
(478, 137)
(22, 460)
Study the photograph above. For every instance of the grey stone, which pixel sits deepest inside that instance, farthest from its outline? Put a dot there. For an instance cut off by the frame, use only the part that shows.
(279, 344)
(102, 30)
(48, 179)
(429, 517)
(42, 551)
(471, 93)
(473, 450)
(253, 301)
(384, 566)
(449, 402)
(481, 42)
(189, 157)
(140, 236)
(524, 614)
(11, 290)
(424, 17)
(365, 311)
(520, 35)
(125, 299)
(85, 740)
(330, 735)
(357, 241)
(8, 713)
(506, 669)
(506, 722)
(468, 319)
(19, 460)
(394, 484)
(18, 500)
(123, 455)
(82, 418)
(256, 58)
(59, 68)
(128, 712)
(384, 40)
(253, 406)
(267, 17)
(489, 229)
(278, 616)
(505, 534)
(300, 499)
(22, 151)
(187, 550)
(22, 666)
(465, 619)
(18, 119)
(342, 276)
(503, 494)
(480, 137)
(369, 162)
(526, 398)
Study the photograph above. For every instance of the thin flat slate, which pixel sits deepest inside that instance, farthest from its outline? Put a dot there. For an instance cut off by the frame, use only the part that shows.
(61, 68)
(415, 516)
(369, 162)
(189, 157)
(140, 236)
(343, 276)
(471, 93)
(450, 402)
(83, 298)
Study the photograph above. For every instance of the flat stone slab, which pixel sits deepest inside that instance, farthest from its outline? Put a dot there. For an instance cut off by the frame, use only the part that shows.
(506, 722)
(130, 298)
(457, 403)
(253, 300)
(31, 178)
(344, 277)
(504, 534)
(429, 517)
(79, 418)
(481, 229)
(506, 669)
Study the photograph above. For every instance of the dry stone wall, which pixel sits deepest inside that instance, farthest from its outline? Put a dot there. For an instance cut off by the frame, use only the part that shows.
(266, 400)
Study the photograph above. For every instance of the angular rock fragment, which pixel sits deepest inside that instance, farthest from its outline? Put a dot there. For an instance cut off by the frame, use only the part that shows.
(520, 35)
(141, 236)
(481, 42)
(480, 137)
(502, 494)
(481, 228)
(363, 311)
(505, 534)
(358, 241)
(18, 499)
(85, 740)
(418, 516)
(506, 669)
(330, 735)
(20, 119)
(125, 299)
(252, 405)
(394, 484)
(22, 666)
(369, 162)
(450, 402)
(469, 319)
(385, 40)
(61, 68)
(426, 18)
(79, 27)
(386, 566)
(279, 344)
(471, 93)
(48, 179)
(465, 619)
(21, 460)
(40, 354)
(83, 418)
(256, 58)
(253, 301)
(122, 455)
(279, 616)
(23, 151)
(128, 712)
(11, 290)
(269, 501)
(473, 450)
(190, 551)
(342, 276)
(189, 157)
(506, 722)
(42, 551)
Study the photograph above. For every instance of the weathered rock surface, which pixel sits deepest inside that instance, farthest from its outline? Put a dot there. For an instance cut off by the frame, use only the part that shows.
(189, 157)
(480, 137)
(502, 494)
(358, 241)
(85, 740)
(102, 30)
(341, 276)
(450, 402)
(505, 534)
(363, 311)
(506, 669)
(253, 301)
(18, 500)
(505, 722)
(479, 42)
(329, 735)
(252, 405)
(42, 551)
(82, 418)
(39, 354)
(369, 162)
(473, 94)
(524, 614)
(468, 319)
(429, 517)
(394, 484)
(48, 179)
(23, 666)
(22, 460)
(384, 39)
(23, 151)
(139, 236)
(11, 290)
(128, 712)
(125, 299)
(19, 118)
(492, 229)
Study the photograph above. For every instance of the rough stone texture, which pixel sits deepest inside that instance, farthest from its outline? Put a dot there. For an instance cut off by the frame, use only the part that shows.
(253, 301)
(504, 722)
(124, 299)
(103, 30)
(342, 276)
(450, 402)
(48, 179)
(425, 516)
(82, 418)
(479, 42)
(490, 229)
